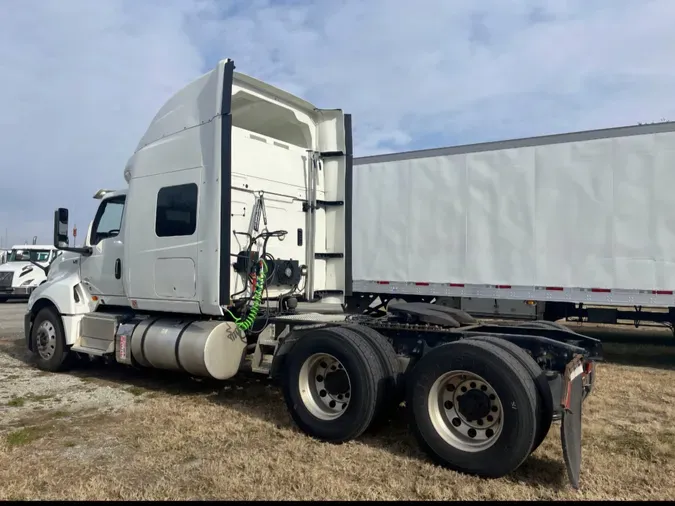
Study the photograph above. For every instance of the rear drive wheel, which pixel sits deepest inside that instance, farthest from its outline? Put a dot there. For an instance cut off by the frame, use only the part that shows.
(49, 343)
(473, 408)
(331, 381)
(390, 396)
(544, 396)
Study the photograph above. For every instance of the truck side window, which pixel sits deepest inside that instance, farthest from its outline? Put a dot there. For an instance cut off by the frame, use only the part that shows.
(176, 213)
(108, 220)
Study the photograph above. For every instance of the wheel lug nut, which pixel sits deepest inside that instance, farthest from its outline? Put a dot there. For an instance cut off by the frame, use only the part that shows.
(471, 433)
(490, 418)
(331, 404)
(322, 393)
(479, 422)
(489, 433)
(483, 388)
(323, 365)
(472, 384)
(448, 405)
(319, 378)
(494, 409)
(456, 422)
(463, 389)
(450, 388)
(492, 397)
(339, 397)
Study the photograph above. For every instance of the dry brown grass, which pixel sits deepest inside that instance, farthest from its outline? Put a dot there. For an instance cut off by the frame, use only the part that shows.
(198, 440)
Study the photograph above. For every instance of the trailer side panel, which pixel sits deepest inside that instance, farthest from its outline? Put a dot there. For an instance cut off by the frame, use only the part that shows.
(578, 212)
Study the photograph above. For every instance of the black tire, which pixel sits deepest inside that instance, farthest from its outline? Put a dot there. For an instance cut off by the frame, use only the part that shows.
(3, 300)
(61, 357)
(365, 373)
(544, 396)
(512, 384)
(392, 394)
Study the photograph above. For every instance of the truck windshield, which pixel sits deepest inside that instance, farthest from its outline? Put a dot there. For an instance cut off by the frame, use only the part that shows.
(26, 255)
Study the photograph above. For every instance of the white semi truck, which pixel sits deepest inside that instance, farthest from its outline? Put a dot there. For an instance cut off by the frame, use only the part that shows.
(26, 267)
(231, 250)
(577, 226)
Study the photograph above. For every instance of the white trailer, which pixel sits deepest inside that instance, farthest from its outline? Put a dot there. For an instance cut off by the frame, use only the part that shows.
(26, 267)
(229, 251)
(542, 227)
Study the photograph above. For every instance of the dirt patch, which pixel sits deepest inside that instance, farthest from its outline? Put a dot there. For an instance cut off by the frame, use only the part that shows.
(26, 392)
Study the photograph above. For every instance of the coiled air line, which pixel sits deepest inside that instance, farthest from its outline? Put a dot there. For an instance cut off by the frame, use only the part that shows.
(246, 323)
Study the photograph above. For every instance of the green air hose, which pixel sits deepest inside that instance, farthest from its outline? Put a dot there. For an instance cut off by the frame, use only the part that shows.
(248, 322)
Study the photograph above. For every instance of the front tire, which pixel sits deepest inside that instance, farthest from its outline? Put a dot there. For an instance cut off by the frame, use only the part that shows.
(48, 341)
(331, 381)
(473, 408)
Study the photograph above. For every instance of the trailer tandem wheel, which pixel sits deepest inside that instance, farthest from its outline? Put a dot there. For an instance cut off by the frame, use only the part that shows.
(331, 380)
(544, 396)
(473, 408)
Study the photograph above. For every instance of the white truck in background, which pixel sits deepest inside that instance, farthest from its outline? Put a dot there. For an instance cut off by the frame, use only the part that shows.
(230, 251)
(26, 267)
(576, 226)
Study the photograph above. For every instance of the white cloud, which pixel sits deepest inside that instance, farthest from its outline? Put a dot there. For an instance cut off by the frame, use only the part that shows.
(81, 78)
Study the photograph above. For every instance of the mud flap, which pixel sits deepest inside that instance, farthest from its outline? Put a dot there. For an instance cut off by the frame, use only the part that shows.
(570, 427)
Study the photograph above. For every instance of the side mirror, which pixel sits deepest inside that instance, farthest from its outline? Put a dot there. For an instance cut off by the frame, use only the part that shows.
(61, 228)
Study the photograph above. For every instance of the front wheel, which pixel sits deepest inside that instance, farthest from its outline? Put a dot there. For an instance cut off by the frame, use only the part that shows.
(473, 408)
(49, 343)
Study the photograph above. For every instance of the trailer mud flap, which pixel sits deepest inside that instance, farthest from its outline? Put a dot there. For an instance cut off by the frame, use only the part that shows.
(570, 427)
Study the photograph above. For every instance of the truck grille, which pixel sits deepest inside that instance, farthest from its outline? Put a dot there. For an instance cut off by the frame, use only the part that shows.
(6, 279)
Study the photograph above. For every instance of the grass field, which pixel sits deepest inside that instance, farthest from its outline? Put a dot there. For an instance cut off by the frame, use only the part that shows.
(107, 432)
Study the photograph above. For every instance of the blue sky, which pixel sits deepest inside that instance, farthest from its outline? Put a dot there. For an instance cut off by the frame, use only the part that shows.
(81, 79)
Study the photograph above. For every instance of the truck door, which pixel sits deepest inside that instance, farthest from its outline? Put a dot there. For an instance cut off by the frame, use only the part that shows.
(101, 272)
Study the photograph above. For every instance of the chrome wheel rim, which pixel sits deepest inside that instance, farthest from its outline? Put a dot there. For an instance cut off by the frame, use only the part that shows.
(325, 386)
(46, 340)
(466, 411)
